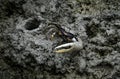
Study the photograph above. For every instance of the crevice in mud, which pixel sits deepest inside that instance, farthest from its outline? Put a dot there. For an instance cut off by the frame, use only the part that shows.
(103, 51)
(116, 75)
(92, 30)
(105, 64)
(110, 16)
(112, 40)
(12, 7)
(32, 24)
(102, 70)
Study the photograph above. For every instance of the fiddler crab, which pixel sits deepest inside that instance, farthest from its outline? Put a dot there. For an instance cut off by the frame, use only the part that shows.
(73, 43)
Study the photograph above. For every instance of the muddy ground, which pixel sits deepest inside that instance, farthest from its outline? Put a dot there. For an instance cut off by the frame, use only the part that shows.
(26, 49)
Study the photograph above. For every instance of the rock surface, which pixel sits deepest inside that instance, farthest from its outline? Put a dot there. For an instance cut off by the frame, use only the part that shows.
(26, 51)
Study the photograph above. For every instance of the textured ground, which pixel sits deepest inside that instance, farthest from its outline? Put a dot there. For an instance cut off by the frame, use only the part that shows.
(26, 52)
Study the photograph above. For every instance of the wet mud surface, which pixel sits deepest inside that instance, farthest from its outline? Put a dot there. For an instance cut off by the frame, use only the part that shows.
(26, 49)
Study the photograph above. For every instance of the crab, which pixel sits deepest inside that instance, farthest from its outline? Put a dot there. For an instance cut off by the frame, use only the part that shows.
(73, 43)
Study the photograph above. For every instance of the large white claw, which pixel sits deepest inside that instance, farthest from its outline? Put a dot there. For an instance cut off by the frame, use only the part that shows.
(69, 47)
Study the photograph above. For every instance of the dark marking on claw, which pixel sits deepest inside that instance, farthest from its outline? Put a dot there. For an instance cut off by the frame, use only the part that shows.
(67, 47)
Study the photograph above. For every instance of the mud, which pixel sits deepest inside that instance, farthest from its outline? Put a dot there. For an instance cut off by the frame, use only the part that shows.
(26, 49)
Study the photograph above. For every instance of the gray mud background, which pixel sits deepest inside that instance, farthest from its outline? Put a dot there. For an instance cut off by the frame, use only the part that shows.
(26, 52)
